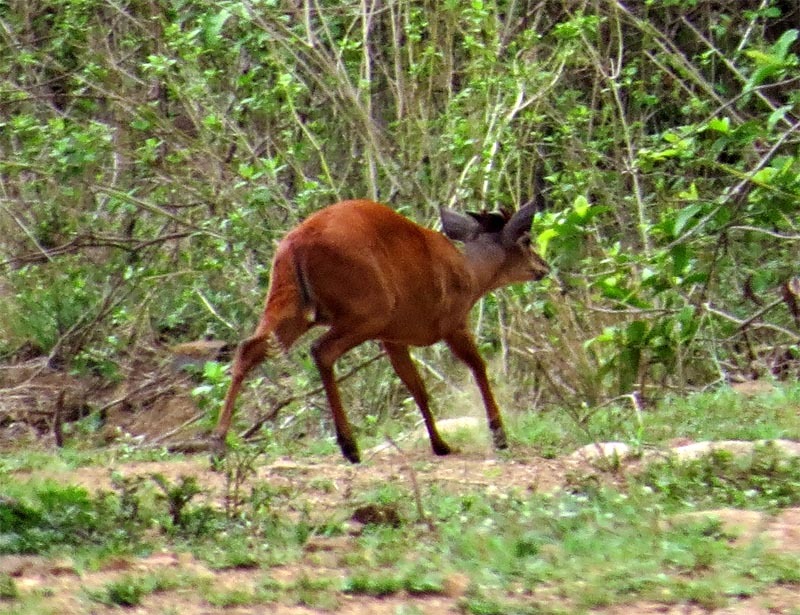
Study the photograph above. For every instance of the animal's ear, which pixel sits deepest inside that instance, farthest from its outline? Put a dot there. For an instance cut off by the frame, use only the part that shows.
(458, 226)
(520, 223)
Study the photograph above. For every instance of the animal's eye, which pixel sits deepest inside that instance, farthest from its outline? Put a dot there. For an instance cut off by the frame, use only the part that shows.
(525, 241)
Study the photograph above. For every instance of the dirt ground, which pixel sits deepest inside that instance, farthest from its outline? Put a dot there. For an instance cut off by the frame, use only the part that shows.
(329, 483)
(335, 482)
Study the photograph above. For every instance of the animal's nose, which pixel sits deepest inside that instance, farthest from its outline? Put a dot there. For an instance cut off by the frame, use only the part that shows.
(540, 270)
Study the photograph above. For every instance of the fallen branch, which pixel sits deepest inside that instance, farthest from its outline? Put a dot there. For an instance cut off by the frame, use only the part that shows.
(177, 429)
(129, 394)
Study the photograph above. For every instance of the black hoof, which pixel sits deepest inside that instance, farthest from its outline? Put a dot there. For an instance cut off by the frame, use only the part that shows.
(499, 438)
(441, 448)
(350, 451)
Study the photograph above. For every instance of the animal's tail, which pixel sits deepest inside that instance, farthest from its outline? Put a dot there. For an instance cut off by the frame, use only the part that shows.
(307, 302)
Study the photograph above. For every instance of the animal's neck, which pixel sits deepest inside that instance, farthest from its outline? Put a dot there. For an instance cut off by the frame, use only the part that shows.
(483, 262)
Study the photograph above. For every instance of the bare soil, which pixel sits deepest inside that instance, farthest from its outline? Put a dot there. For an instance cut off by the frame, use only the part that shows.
(329, 483)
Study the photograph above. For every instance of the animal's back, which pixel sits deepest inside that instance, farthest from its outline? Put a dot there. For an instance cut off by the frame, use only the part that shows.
(359, 258)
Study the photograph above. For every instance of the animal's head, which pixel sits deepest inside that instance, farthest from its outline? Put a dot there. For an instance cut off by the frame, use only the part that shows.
(501, 239)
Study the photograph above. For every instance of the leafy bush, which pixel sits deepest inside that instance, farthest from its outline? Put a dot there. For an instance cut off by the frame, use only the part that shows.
(149, 164)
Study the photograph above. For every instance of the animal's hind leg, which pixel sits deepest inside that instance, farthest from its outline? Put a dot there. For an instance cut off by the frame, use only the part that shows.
(405, 368)
(250, 353)
(326, 350)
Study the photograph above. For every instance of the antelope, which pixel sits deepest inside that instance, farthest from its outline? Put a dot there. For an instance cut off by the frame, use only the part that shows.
(367, 273)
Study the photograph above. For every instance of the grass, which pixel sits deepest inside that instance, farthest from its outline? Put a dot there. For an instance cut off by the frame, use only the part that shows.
(721, 414)
(128, 590)
(74, 456)
(33, 460)
(726, 415)
(764, 481)
(8, 587)
(600, 543)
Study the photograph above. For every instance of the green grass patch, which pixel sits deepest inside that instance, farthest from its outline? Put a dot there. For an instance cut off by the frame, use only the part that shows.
(418, 577)
(8, 587)
(33, 460)
(767, 480)
(589, 549)
(46, 516)
(130, 589)
(37, 518)
(73, 457)
(722, 414)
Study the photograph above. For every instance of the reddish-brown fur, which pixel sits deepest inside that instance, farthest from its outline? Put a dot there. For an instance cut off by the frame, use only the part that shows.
(368, 273)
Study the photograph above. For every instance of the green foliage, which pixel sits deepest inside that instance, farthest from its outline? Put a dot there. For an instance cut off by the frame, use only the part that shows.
(43, 517)
(53, 515)
(566, 231)
(130, 589)
(233, 550)
(149, 163)
(125, 592)
(767, 480)
(48, 303)
(373, 585)
(210, 393)
(239, 465)
(178, 496)
(774, 64)
(8, 588)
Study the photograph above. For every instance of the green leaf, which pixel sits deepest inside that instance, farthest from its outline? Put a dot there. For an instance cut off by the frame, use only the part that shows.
(543, 239)
(762, 74)
(684, 216)
(765, 176)
(777, 115)
(581, 206)
(781, 48)
(212, 29)
(636, 332)
(609, 334)
(759, 57)
(722, 125)
(690, 194)
(680, 258)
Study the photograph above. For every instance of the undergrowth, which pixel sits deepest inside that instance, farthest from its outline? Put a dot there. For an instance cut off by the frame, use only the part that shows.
(603, 540)
(586, 549)
(767, 480)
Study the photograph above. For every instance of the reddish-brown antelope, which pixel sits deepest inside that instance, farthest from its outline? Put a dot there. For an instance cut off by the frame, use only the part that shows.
(367, 273)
